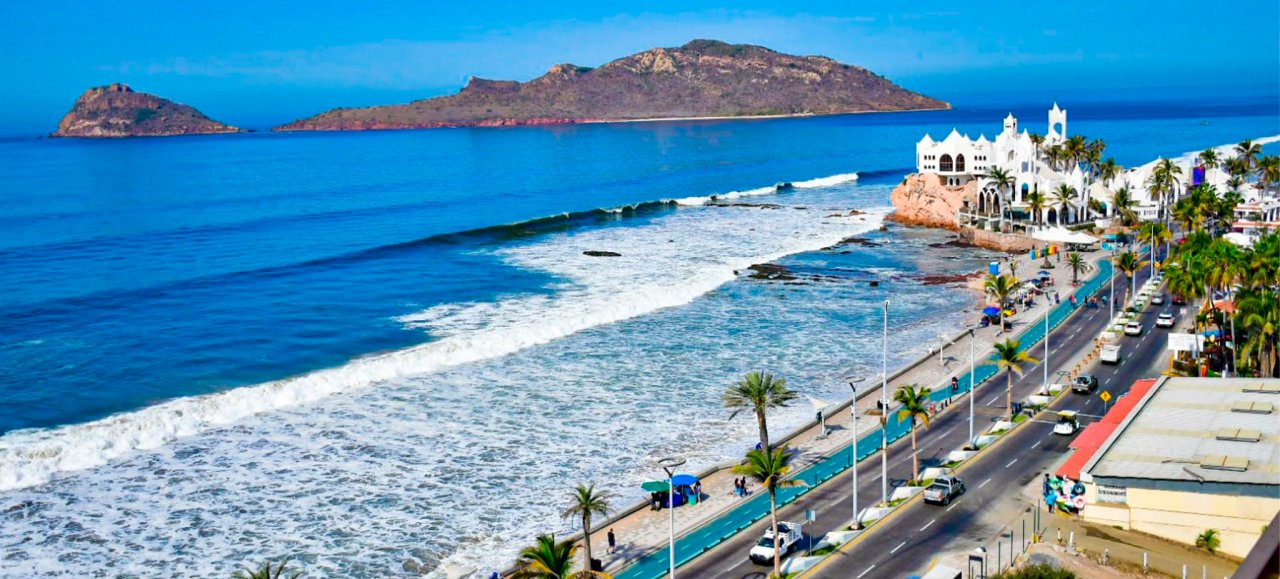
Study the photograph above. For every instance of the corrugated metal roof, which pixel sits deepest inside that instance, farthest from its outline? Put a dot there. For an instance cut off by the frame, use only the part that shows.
(1177, 434)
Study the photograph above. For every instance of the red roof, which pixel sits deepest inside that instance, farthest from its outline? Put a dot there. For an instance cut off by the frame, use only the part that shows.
(1095, 435)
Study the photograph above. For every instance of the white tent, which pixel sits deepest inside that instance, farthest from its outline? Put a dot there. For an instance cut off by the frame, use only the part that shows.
(1239, 239)
(1063, 235)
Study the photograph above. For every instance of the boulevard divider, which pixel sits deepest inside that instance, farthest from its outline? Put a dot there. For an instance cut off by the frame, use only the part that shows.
(706, 537)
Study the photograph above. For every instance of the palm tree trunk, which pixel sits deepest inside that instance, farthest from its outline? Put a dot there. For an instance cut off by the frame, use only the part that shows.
(773, 515)
(915, 459)
(1008, 394)
(586, 538)
(764, 432)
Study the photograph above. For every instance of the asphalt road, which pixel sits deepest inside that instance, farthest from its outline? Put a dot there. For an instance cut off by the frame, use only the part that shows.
(901, 545)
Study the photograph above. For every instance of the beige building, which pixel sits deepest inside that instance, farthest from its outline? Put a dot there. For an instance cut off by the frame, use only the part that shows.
(1190, 454)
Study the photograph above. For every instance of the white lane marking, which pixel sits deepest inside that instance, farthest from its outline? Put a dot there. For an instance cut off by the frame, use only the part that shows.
(927, 525)
(1011, 463)
(895, 549)
(951, 507)
(984, 483)
(867, 571)
(993, 399)
(1033, 447)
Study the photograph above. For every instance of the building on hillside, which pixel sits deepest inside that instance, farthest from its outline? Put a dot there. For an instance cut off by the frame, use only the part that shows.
(1177, 456)
(959, 160)
(1256, 218)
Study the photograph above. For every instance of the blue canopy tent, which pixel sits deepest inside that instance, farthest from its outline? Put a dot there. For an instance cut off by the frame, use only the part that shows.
(990, 310)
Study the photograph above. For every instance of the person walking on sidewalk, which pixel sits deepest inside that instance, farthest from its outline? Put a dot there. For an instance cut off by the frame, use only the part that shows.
(613, 542)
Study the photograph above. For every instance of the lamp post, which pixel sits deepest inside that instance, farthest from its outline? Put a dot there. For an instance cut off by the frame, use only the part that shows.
(884, 411)
(853, 450)
(972, 386)
(1111, 300)
(1046, 348)
(669, 464)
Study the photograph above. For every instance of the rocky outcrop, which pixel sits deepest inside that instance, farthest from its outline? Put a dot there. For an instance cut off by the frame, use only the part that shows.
(703, 78)
(116, 110)
(922, 199)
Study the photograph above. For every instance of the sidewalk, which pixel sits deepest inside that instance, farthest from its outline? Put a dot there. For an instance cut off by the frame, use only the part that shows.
(644, 531)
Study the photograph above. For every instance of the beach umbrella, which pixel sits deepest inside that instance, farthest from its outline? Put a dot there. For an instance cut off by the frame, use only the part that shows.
(681, 480)
(655, 486)
(990, 310)
(1043, 273)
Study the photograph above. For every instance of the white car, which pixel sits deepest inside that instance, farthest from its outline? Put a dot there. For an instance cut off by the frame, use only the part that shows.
(788, 539)
(1157, 300)
(1067, 423)
(1133, 328)
(1110, 354)
(1164, 320)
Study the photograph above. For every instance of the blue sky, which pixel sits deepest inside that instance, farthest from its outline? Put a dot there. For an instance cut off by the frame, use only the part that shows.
(259, 63)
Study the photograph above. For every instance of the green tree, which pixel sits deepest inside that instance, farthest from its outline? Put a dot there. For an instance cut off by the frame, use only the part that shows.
(1036, 204)
(1063, 195)
(1129, 263)
(1247, 152)
(1004, 182)
(1000, 287)
(1077, 265)
(1209, 540)
(1123, 205)
(1154, 233)
(758, 392)
(915, 407)
(770, 469)
(1163, 181)
(587, 501)
(1009, 357)
(1037, 571)
(267, 571)
(1108, 170)
(548, 559)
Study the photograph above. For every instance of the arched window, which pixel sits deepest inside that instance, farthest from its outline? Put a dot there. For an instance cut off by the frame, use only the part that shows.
(959, 163)
(944, 164)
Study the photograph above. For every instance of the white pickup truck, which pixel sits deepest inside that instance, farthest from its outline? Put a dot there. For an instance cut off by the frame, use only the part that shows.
(1110, 354)
(789, 536)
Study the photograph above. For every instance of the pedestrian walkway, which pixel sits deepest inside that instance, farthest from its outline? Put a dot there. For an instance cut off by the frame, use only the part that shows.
(711, 523)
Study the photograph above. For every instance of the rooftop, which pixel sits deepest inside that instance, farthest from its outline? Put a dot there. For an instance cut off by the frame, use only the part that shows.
(1198, 430)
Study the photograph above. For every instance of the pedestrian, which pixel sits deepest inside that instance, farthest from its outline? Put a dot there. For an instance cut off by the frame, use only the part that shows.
(613, 543)
(737, 486)
(697, 490)
(1049, 499)
(955, 385)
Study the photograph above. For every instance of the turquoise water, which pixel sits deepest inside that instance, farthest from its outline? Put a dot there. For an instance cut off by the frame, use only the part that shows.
(363, 340)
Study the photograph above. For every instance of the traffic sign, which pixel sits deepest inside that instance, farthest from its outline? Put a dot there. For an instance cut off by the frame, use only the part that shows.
(1105, 396)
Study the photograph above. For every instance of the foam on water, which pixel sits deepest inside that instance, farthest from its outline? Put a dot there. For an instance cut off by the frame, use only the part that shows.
(826, 181)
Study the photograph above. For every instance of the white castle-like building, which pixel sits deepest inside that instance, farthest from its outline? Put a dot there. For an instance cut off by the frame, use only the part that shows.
(958, 160)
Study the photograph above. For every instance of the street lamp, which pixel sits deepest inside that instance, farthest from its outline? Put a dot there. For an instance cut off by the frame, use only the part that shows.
(1047, 313)
(1111, 299)
(972, 386)
(853, 464)
(884, 411)
(669, 464)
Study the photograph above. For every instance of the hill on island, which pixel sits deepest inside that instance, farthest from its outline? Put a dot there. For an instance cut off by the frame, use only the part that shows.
(704, 78)
(116, 110)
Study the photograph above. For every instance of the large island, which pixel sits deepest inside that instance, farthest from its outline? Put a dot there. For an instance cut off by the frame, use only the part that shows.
(704, 78)
(115, 110)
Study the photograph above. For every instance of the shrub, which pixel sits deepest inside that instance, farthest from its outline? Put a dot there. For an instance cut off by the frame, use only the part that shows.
(1209, 540)
(1041, 571)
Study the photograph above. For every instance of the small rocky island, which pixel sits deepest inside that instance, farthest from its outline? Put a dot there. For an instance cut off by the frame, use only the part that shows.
(116, 110)
(703, 78)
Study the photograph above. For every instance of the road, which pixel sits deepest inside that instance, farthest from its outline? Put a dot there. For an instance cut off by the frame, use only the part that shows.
(896, 547)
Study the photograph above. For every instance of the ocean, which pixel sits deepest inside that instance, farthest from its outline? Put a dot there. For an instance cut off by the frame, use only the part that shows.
(379, 351)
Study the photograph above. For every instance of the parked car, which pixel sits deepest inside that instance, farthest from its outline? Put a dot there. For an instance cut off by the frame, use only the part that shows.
(1110, 354)
(1164, 320)
(943, 489)
(1085, 384)
(789, 536)
(1157, 300)
(1179, 300)
(1133, 328)
(1067, 424)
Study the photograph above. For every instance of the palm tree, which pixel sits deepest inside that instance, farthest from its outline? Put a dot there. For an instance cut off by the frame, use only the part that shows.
(1268, 171)
(280, 571)
(1077, 265)
(1163, 180)
(1208, 540)
(1124, 204)
(1108, 170)
(915, 406)
(1259, 314)
(1208, 158)
(1004, 181)
(1075, 148)
(1062, 196)
(1248, 152)
(1154, 233)
(1010, 357)
(770, 469)
(1000, 287)
(1182, 282)
(587, 502)
(1129, 263)
(1036, 203)
(547, 559)
(758, 392)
